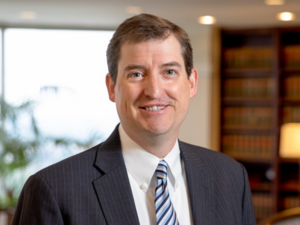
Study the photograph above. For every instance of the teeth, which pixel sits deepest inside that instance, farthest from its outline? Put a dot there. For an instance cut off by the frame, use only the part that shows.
(155, 108)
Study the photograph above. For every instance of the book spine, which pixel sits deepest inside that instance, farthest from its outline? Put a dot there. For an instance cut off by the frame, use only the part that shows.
(248, 58)
(248, 146)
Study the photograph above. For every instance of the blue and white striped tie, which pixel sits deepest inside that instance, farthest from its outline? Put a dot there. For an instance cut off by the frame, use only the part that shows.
(165, 212)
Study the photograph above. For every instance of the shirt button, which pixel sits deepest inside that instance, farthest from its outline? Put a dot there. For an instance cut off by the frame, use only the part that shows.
(143, 186)
(176, 185)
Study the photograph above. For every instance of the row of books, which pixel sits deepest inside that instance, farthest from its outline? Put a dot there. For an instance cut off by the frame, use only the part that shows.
(248, 146)
(263, 204)
(261, 117)
(249, 58)
(292, 87)
(291, 202)
(249, 87)
(291, 56)
(291, 114)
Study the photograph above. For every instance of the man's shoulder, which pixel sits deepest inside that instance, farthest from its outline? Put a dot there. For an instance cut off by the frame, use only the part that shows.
(74, 166)
(205, 153)
(209, 159)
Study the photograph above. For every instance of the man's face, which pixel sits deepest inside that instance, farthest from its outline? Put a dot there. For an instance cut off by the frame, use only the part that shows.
(152, 91)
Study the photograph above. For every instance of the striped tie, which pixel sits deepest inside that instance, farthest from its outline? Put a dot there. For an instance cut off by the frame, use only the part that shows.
(165, 212)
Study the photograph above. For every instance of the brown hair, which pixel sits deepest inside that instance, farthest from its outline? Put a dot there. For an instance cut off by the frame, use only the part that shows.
(146, 27)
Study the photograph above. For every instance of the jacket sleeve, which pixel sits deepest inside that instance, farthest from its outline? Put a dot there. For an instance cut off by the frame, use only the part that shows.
(37, 205)
(247, 205)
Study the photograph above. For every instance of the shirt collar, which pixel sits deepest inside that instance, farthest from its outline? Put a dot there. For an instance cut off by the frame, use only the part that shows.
(142, 165)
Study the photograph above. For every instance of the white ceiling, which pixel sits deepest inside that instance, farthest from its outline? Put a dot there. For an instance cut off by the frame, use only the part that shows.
(109, 13)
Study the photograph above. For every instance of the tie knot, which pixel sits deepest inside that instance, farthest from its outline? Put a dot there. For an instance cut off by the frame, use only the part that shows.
(161, 170)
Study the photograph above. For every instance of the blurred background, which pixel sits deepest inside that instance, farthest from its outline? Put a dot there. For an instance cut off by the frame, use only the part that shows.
(54, 102)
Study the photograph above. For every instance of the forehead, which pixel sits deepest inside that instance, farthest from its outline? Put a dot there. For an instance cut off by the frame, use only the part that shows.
(151, 50)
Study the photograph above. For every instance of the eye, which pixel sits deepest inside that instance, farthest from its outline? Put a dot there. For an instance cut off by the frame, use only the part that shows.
(136, 75)
(170, 72)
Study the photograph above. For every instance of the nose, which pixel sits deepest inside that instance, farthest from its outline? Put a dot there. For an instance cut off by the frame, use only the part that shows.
(153, 87)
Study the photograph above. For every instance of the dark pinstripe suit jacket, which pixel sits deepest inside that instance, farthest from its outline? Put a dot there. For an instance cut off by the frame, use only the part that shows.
(93, 188)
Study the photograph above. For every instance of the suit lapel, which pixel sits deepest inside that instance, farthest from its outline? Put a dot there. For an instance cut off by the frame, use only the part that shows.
(199, 186)
(114, 192)
(113, 187)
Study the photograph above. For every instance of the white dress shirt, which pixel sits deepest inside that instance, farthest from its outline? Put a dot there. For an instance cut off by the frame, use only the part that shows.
(141, 166)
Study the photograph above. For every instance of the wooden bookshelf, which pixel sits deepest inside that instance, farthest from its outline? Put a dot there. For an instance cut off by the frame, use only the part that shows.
(260, 91)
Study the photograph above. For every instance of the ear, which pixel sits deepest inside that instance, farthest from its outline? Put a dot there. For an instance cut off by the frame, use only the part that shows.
(193, 79)
(110, 85)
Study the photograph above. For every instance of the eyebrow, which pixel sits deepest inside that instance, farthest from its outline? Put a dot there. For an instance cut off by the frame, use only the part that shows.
(134, 66)
(170, 64)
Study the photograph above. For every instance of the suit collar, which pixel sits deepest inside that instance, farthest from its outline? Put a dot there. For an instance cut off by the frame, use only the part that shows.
(109, 155)
(200, 185)
(113, 188)
(190, 155)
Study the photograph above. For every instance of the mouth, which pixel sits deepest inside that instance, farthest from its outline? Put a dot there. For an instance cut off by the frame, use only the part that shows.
(154, 108)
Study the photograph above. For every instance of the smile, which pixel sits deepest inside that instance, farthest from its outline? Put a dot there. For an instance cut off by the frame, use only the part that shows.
(154, 108)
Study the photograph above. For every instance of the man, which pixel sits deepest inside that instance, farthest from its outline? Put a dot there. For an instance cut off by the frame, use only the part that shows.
(142, 174)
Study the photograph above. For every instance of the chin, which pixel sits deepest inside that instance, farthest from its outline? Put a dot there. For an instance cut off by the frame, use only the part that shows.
(156, 130)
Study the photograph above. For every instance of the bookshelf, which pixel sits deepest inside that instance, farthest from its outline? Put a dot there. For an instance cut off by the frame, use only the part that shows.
(260, 91)
(289, 104)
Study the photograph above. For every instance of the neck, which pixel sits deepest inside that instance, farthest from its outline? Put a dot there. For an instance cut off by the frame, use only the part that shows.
(158, 145)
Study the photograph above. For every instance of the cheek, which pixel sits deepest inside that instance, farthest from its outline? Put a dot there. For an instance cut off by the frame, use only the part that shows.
(125, 97)
(179, 91)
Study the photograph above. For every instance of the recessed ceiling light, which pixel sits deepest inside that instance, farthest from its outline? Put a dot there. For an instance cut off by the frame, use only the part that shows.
(133, 10)
(286, 16)
(274, 2)
(28, 15)
(207, 20)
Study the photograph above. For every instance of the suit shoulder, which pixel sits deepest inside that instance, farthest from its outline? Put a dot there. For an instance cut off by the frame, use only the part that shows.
(207, 153)
(214, 161)
(77, 164)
